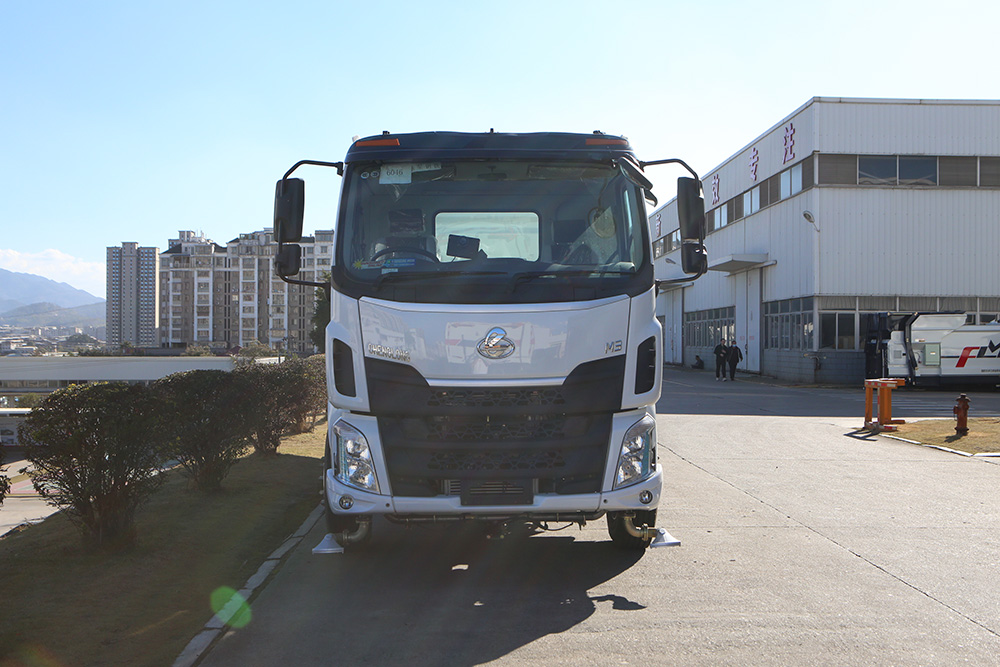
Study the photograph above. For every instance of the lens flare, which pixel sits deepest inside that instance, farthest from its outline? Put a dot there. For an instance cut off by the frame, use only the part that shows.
(231, 607)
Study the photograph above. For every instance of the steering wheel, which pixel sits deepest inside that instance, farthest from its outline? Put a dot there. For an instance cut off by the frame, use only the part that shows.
(413, 251)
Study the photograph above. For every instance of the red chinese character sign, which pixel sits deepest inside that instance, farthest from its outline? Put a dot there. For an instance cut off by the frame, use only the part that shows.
(789, 143)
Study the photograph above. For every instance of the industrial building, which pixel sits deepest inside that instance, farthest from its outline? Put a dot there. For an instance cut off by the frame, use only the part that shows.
(843, 208)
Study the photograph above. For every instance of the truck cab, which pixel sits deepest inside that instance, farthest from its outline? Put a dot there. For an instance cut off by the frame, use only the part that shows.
(493, 353)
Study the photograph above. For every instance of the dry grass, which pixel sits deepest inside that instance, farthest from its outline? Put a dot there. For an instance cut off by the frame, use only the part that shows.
(63, 604)
(983, 436)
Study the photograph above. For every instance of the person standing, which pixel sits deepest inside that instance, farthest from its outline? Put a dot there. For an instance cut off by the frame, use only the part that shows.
(720, 352)
(734, 356)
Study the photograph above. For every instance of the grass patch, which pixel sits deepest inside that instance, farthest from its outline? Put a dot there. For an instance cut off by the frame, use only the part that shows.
(65, 604)
(983, 436)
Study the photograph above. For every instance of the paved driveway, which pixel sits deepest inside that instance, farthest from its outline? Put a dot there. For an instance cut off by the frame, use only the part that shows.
(802, 544)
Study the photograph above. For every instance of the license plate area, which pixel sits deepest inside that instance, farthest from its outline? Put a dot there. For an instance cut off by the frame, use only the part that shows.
(479, 493)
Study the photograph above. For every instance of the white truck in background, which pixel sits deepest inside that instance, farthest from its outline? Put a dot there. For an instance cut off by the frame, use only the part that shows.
(932, 349)
(493, 353)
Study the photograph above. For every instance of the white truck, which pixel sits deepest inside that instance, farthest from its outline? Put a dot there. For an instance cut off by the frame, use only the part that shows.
(931, 349)
(493, 352)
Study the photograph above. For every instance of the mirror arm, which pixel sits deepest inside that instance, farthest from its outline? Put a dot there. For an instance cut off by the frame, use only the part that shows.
(677, 281)
(339, 166)
(308, 283)
(671, 161)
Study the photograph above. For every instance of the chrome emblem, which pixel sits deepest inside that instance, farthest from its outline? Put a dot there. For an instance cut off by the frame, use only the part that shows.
(496, 345)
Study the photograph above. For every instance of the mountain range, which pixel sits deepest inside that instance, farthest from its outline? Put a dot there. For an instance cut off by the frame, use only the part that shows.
(30, 300)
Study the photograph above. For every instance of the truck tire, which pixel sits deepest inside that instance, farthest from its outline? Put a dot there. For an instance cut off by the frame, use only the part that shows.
(621, 537)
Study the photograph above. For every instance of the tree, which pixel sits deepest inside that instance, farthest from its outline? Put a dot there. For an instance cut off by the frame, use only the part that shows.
(96, 451)
(207, 422)
(321, 315)
(278, 398)
(29, 400)
(194, 350)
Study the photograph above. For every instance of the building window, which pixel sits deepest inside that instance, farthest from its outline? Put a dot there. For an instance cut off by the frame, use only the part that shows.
(705, 328)
(791, 182)
(788, 324)
(918, 170)
(836, 331)
(838, 169)
(989, 172)
(876, 170)
(958, 171)
(751, 201)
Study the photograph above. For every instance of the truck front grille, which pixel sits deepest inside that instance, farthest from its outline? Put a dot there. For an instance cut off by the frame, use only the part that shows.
(546, 439)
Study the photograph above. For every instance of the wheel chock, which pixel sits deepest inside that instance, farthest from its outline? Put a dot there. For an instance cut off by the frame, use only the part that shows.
(328, 545)
(664, 539)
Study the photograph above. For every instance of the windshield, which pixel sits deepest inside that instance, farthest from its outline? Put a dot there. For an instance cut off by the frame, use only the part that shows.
(491, 231)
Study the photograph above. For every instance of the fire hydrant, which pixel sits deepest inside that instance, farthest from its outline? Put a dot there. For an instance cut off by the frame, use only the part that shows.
(961, 411)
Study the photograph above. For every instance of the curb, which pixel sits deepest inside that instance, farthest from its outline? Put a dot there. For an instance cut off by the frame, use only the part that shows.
(215, 627)
(943, 449)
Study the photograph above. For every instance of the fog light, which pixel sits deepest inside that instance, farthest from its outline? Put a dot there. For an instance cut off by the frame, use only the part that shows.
(646, 497)
(346, 502)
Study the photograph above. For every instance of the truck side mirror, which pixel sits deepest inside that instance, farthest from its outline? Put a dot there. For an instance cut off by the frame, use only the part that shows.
(691, 216)
(289, 204)
(694, 258)
(690, 209)
(287, 261)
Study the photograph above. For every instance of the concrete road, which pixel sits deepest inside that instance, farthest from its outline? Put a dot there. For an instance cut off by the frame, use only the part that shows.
(802, 544)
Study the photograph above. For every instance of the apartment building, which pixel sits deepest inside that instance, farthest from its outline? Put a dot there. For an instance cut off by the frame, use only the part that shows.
(227, 296)
(132, 295)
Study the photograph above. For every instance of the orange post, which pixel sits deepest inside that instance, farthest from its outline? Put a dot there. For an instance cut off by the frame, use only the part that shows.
(885, 386)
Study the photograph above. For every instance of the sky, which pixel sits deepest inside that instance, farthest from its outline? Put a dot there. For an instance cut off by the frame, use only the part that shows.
(129, 121)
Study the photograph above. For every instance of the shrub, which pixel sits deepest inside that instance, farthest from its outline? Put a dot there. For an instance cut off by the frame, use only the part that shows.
(207, 422)
(315, 376)
(278, 397)
(4, 480)
(96, 451)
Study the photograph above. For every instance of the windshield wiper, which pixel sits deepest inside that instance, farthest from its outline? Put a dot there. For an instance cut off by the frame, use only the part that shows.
(528, 276)
(422, 275)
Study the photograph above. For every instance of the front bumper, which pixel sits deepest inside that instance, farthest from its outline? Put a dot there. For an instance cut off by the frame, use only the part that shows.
(363, 503)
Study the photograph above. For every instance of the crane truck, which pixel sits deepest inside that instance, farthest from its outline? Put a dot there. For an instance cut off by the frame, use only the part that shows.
(493, 353)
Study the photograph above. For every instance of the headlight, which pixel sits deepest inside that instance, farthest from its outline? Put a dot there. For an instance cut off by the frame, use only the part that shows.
(354, 458)
(635, 460)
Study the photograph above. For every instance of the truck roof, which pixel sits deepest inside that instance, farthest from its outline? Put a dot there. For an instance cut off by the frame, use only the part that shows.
(596, 147)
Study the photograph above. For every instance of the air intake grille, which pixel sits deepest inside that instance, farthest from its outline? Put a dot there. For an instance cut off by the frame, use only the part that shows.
(450, 461)
(493, 398)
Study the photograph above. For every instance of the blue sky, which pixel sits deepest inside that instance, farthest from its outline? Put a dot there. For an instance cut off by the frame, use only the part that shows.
(129, 121)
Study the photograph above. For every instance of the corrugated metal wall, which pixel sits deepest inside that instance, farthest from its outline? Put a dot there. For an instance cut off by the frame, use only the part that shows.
(912, 127)
(909, 241)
